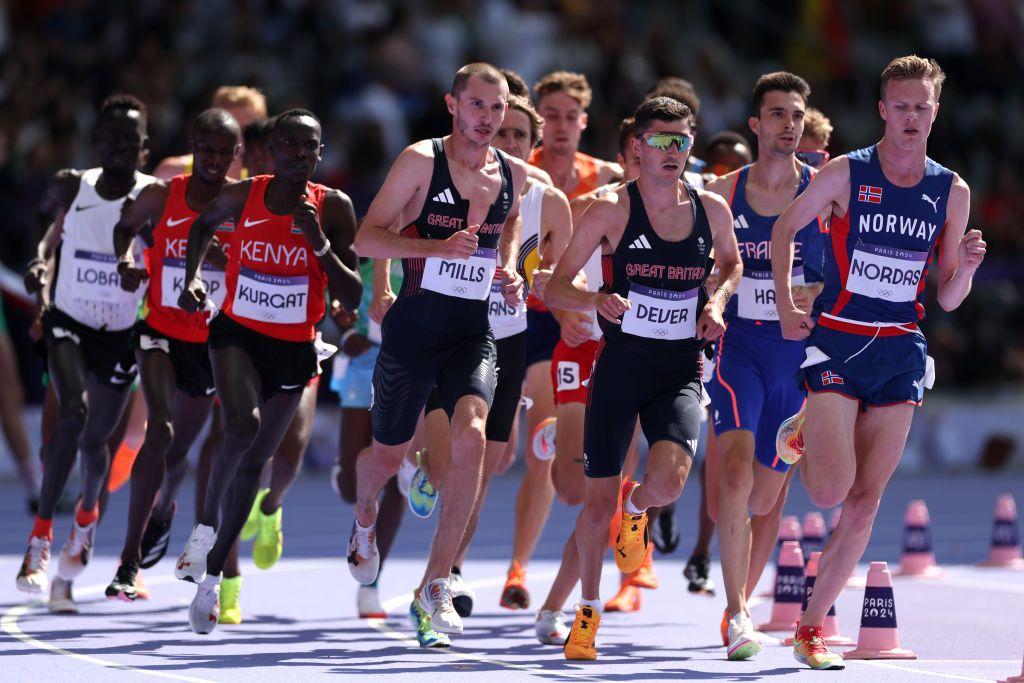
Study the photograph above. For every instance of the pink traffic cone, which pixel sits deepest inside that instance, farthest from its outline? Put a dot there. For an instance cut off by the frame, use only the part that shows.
(1005, 550)
(813, 540)
(789, 530)
(918, 557)
(1016, 679)
(789, 589)
(879, 637)
(831, 625)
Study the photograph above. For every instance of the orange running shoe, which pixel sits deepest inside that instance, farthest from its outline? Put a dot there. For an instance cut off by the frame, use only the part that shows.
(809, 648)
(515, 595)
(725, 628)
(582, 640)
(644, 577)
(632, 541)
(627, 599)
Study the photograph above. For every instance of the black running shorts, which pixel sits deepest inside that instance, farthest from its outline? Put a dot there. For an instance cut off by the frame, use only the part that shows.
(630, 380)
(191, 360)
(108, 355)
(284, 367)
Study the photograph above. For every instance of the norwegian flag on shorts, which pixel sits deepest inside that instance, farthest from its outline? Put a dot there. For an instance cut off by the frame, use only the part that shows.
(829, 377)
(870, 194)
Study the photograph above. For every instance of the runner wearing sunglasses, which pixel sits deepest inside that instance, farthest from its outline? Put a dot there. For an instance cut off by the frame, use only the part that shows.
(656, 237)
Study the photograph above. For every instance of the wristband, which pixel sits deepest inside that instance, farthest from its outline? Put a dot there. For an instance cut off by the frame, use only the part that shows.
(324, 249)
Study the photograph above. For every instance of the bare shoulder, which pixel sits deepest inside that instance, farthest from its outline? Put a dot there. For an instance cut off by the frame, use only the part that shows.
(609, 207)
(519, 171)
(723, 184)
(715, 206)
(539, 174)
(172, 166)
(552, 195)
(607, 170)
(960, 189)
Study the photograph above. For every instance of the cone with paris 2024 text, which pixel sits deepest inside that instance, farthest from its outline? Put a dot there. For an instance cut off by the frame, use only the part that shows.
(789, 530)
(789, 589)
(831, 625)
(1005, 550)
(879, 636)
(813, 540)
(918, 556)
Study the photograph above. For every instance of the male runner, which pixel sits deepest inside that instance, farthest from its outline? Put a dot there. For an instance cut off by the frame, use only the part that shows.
(293, 239)
(813, 147)
(656, 236)
(866, 364)
(724, 153)
(752, 390)
(458, 200)
(88, 328)
(562, 101)
(177, 380)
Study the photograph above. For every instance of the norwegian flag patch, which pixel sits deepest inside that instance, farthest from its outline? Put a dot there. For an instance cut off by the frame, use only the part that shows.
(870, 194)
(828, 377)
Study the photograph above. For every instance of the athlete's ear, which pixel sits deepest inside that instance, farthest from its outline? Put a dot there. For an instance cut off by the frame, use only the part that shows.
(584, 119)
(881, 109)
(320, 153)
(754, 123)
(635, 142)
(451, 102)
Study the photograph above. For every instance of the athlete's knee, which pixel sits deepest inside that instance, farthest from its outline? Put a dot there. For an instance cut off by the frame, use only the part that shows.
(74, 412)
(666, 485)
(598, 511)
(763, 502)
(827, 493)
(159, 432)
(346, 481)
(860, 508)
(736, 476)
(243, 426)
(567, 487)
(468, 443)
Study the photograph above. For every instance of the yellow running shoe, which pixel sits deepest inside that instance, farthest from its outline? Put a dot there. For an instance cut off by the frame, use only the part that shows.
(644, 577)
(230, 611)
(631, 542)
(269, 545)
(809, 648)
(581, 643)
(252, 522)
(789, 440)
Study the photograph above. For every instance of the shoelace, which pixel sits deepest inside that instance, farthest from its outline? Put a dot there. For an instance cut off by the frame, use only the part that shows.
(815, 645)
(364, 541)
(442, 595)
(196, 543)
(517, 574)
(630, 533)
(582, 635)
(37, 554)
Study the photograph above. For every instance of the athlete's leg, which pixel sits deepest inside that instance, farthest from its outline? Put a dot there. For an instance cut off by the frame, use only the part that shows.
(493, 454)
(566, 578)
(567, 467)
(764, 531)
(213, 441)
(829, 463)
(67, 377)
(438, 434)
(106, 406)
(11, 402)
(705, 521)
(736, 452)
(356, 435)
(881, 434)
(288, 458)
(600, 497)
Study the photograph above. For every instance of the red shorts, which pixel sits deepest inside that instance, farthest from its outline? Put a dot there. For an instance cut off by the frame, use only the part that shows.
(570, 371)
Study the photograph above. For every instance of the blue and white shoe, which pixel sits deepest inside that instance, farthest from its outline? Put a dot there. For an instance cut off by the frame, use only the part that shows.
(422, 495)
(426, 636)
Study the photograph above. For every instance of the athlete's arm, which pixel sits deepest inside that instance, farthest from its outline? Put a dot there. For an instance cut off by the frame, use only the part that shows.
(383, 296)
(378, 235)
(607, 172)
(227, 205)
(827, 193)
(575, 327)
(727, 258)
(601, 218)
(145, 210)
(511, 236)
(960, 254)
(335, 229)
(49, 225)
(171, 166)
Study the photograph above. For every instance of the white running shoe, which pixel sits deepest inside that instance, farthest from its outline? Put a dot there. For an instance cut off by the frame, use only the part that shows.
(32, 575)
(462, 595)
(405, 473)
(192, 561)
(368, 602)
(436, 600)
(363, 558)
(550, 627)
(204, 611)
(61, 600)
(744, 642)
(75, 554)
(335, 471)
(543, 441)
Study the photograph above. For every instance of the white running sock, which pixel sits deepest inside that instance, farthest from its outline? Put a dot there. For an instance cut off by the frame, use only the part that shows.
(593, 604)
(627, 505)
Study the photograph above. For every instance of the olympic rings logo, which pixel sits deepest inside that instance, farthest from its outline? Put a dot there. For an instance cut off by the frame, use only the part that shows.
(885, 292)
(661, 332)
(459, 290)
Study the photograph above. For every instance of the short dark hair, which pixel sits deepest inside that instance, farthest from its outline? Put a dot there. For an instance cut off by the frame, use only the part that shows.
(627, 131)
(256, 133)
(292, 114)
(660, 109)
(678, 89)
(516, 84)
(524, 105)
(215, 120)
(488, 72)
(783, 81)
(124, 102)
(726, 138)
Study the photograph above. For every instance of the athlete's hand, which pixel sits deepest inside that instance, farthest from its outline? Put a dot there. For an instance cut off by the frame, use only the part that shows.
(216, 255)
(131, 277)
(576, 328)
(803, 297)
(35, 276)
(355, 345)
(612, 306)
(460, 245)
(342, 317)
(796, 324)
(380, 306)
(540, 281)
(307, 218)
(193, 297)
(511, 285)
(972, 250)
(711, 283)
(710, 325)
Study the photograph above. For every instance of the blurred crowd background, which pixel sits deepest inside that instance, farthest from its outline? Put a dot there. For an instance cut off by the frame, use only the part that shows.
(375, 73)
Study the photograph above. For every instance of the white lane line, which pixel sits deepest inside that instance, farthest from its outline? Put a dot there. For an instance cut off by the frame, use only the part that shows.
(908, 669)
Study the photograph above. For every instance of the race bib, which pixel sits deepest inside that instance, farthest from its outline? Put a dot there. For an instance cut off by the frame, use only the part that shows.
(505, 320)
(885, 273)
(269, 298)
(661, 313)
(756, 294)
(172, 281)
(464, 279)
(95, 278)
(568, 374)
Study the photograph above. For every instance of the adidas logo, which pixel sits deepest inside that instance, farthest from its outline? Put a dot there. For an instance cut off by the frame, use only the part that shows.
(740, 222)
(640, 243)
(445, 197)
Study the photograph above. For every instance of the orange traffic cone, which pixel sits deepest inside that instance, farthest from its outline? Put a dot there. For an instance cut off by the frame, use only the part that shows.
(789, 530)
(918, 557)
(1005, 550)
(789, 589)
(879, 637)
(813, 540)
(831, 625)
(1016, 679)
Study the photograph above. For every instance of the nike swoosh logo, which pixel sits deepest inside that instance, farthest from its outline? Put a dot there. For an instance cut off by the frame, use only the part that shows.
(85, 208)
(171, 222)
(249, 223)
(289, 387)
